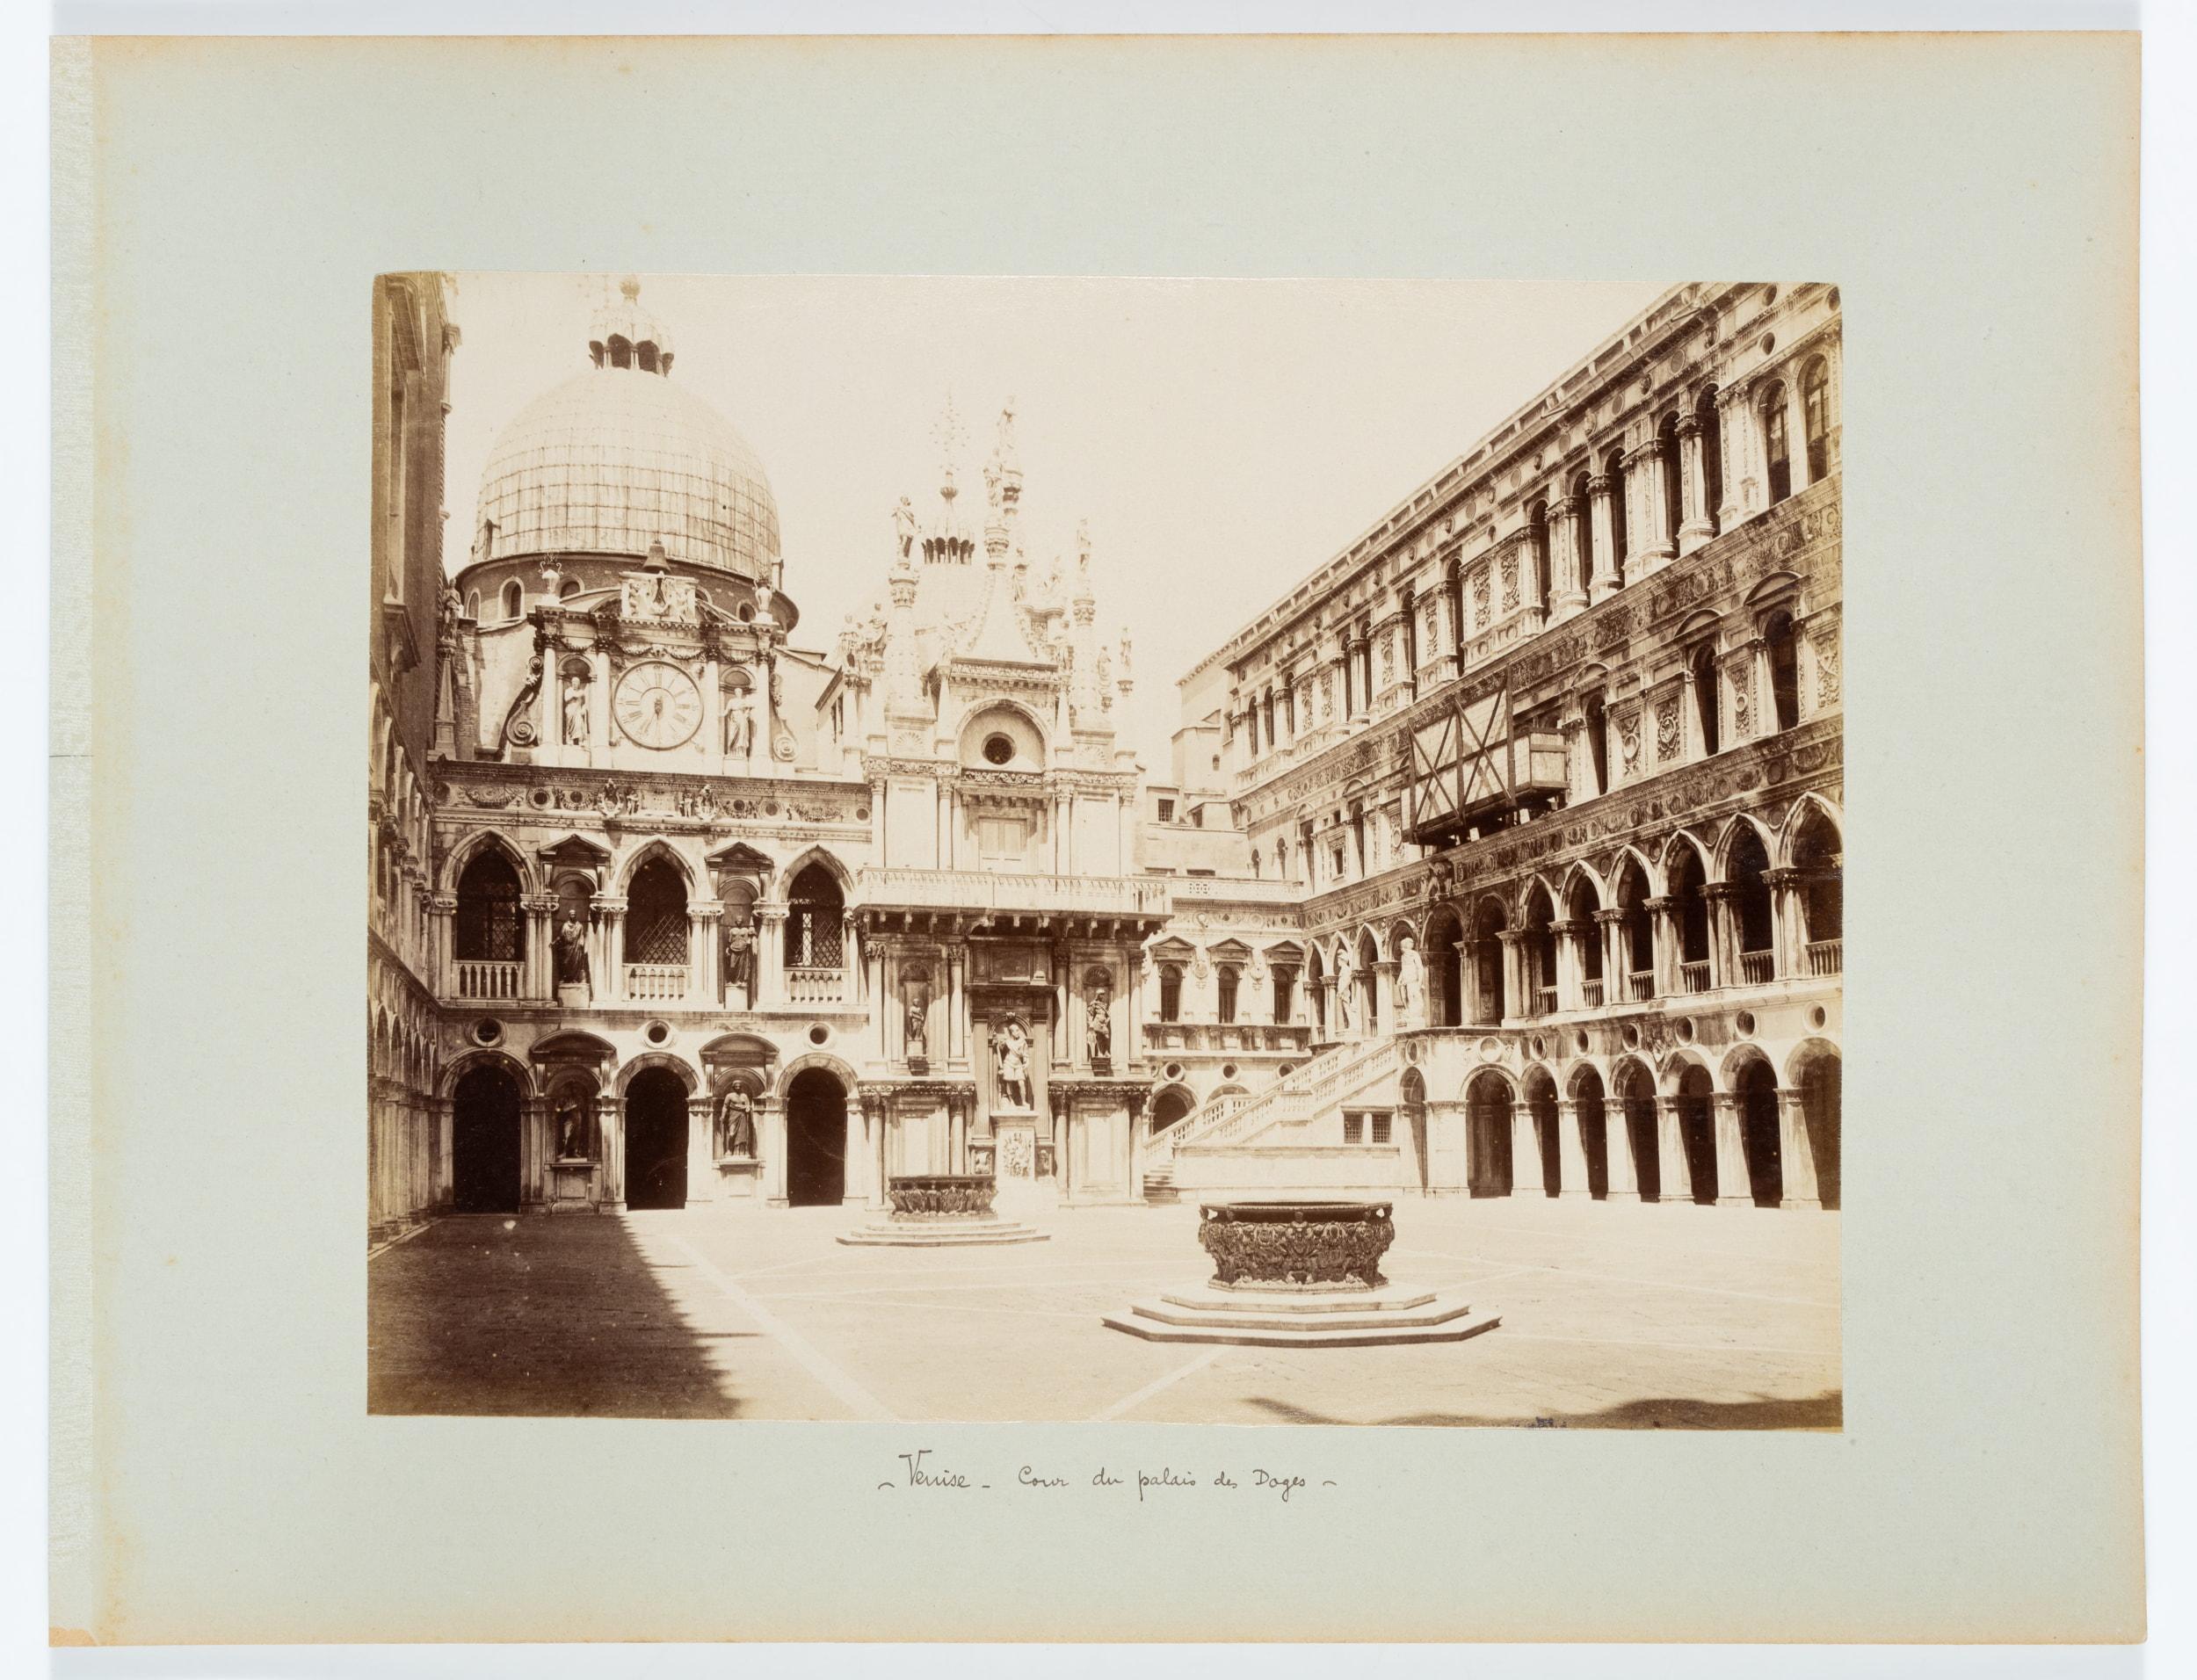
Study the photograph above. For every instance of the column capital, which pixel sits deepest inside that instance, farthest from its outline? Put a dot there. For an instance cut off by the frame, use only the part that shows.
(442, 903)
(611, 903)
(1609, 919)
(1720, 892)
(1569, 927)
(706, 912)
(768, 912)
(1661, 904)
(1689, 425)
(1598, 484)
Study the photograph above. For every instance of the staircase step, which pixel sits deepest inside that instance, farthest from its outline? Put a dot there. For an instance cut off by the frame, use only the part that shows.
(1302, 1303)
(993, 1233)
(1452, 1327)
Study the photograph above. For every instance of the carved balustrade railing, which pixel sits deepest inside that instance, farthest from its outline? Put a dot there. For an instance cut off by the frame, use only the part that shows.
(487, 981)
(1693, 976)
(1640, 985)
(656, 982)
(1826, 957)
(815, 985)
(1757, 967)
(1008, 890)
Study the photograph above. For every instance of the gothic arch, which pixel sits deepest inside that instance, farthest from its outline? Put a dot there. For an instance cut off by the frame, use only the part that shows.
(1403, 928)
(1738, 825)
(814, 1060)
(779, 887)
(457, 1067)
(1580, 874)
(1650, 875)
(1685, 837)
(974, 714)
(1782, 851)
(658, 846)
(472, 846)
(671, 1062)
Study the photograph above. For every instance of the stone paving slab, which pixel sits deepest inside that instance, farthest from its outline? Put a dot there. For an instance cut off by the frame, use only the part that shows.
(1614, 1315)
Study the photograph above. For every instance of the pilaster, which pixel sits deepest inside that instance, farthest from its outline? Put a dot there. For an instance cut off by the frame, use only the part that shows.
(1571, 1147)
(1674, 1171)
(1734, 1188)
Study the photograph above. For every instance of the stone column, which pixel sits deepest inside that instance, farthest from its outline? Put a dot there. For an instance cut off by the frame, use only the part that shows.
(610, 960)
(849, 962)
(1604, 581)
(769, 955)
(1609, 928)
(1527, 1179)
(442, 972)
(1743, 478)
(1662, 542)
(1723, 934)
(1662, 914)
(855, 1189)
(1571, 966)
(445, 1121)
(701, 1150)
(883, 1006)
(1734, 1188)
(769, 1142)
(1698, 526)
(1572, 1145)
(1569, 594)
(1384, 1021)
(1514, 1000)
(1617, 1152)
(703, 985)
(610, 1121)
(1789, 930)
(1796, 1153)
(873, 1117)
(538, 976)
(956, 1007)
(1671, 1157)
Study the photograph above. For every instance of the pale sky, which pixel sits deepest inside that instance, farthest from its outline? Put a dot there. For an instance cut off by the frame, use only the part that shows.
(1223, 437)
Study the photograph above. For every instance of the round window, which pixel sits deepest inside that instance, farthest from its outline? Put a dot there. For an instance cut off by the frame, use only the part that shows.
(1579, 1042)
(819, 1035)
(1632, 1037)
(998, 750)
(1173, 1070)
(1228, 1070)
(1745, 1022)
(1818, 1016)
(488, 1031)
(657, 1032)
(1686, 1032)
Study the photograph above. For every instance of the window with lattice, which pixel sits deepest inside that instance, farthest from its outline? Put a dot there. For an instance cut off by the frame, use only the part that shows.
(489, 927)
(656, 915)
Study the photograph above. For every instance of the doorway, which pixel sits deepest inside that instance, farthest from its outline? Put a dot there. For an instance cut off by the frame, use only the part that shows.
(655, 1139)
(816, 1139)
(484, 1143)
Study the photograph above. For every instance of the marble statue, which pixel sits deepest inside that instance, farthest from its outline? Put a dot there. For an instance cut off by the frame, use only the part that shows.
(1410, 984)
(1345, 988)
(1011, 1059)
(572, 1129)
(904, 527)
(739, 723)
(739, 952)
(1099, 1014)
(918, 1007)
(575, 711)
(736, 1122)
(569, 944)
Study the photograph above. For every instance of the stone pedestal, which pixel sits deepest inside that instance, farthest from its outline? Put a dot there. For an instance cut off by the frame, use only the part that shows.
(571, 1187)
(572, 994)
(1021, 1192)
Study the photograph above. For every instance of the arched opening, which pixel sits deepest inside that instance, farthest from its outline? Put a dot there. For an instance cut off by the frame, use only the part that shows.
(514, 599)
(1597, 727)
(1316, 993)
(570, 587)
(620, 351)
(1636, 937)
(1593, 1122)
(1227, 981)
(816, 1139)
(1816, 855)
(1689, 891)
(1171, 991)
(1621, 540)
(484, 1143)
(1536, 581)
(1816, 418)
(1635, 1090)
(655, 1139)
(1445, 967)
(1758, 1134)
(1673, 476)
(1369, 998)
(1540, 1104)
(1411, 1098)
(1749, 871)
(1488, 1136)
(1538, 949)
(655, 932)
(813, 915)
(1697, 1130)
(1712, 453)
(1784, 669)
(1707, 700)
(1582, 904)
(1583, 538)
(488, 934)
(1819, 1109)
(1169, 1107)
(1489, 1004)
(1777, 446)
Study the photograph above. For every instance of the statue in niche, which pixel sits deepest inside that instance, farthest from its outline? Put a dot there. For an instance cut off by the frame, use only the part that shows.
(574, 1134)
(739, 952)
(569, 944)
(1011, 1064)
(575, 711)
(904, 527)
(739, 723)
(1099, 1015)
(1345, 986)
(1410, 984)
(736, 1121)
(453, 608)
(917, 1002)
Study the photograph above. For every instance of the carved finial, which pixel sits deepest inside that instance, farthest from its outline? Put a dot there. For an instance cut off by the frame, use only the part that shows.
(950, 439)
(629, 288)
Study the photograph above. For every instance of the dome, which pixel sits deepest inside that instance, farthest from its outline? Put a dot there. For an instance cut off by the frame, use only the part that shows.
(617, 458)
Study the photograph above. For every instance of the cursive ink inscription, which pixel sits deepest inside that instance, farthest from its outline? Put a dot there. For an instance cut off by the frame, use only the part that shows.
(1030, 1478)
(920, 1477)
(921, 1470)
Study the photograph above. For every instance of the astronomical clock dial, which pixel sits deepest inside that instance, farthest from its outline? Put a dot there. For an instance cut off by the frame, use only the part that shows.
(658, 705)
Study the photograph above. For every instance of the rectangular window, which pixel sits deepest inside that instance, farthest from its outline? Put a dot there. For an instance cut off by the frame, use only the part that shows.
(1167, 810)
(1338, 863)
(1170, 993)
(1001, 842)
(1228, 996)
(1354, 1128)
(1285, 996)
(1381, 1128)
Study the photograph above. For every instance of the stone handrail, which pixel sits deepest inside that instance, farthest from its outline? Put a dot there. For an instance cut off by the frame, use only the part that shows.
(1009, 890)
(1296, 1096)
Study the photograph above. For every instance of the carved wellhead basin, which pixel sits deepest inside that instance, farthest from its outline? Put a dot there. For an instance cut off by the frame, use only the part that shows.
(1297, 1245)
(941, 1196)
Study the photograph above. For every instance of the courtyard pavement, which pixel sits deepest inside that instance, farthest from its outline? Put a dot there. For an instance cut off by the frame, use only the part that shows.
(1614, 1315)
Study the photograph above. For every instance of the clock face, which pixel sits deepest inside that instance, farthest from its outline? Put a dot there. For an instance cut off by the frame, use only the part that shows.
(658, 705)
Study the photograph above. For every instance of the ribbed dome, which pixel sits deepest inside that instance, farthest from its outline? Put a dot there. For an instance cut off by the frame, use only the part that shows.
(616, 458)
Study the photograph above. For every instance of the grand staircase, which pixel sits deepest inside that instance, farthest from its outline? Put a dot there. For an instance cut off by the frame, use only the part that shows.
(1307, 1090)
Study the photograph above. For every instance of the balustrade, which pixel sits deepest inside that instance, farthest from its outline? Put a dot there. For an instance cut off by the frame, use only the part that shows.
(1544, 1000)
(1640, 985)
(1826, 957)
(1693, 976)
(656, 982)
(1591, 991)
(1755, 967)
(487, 981)
(814, 985)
